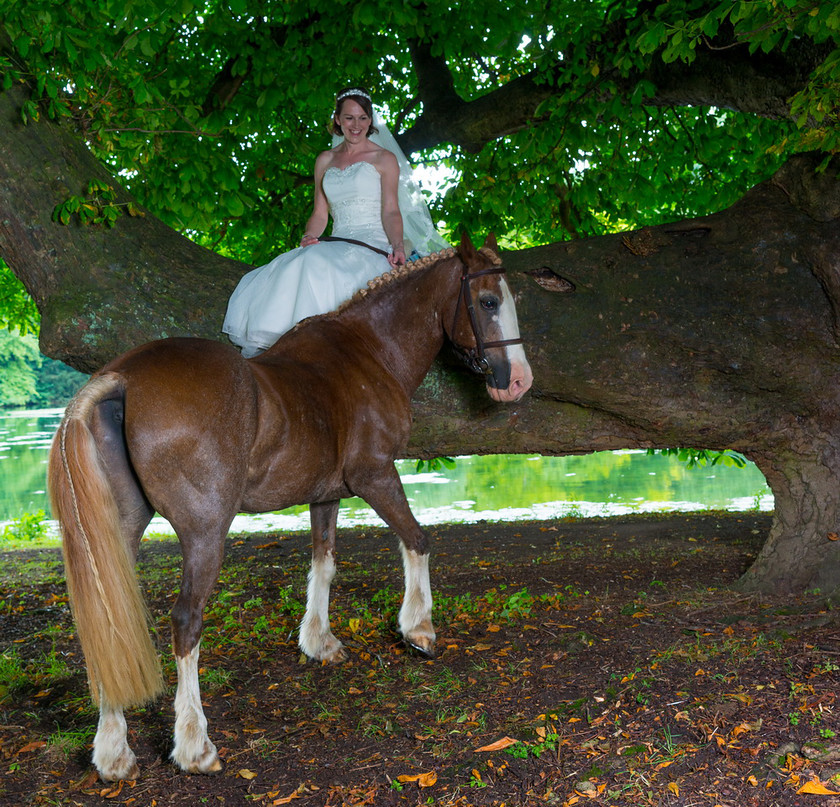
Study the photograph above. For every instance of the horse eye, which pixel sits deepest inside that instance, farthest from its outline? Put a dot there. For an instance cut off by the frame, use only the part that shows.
(489, 303)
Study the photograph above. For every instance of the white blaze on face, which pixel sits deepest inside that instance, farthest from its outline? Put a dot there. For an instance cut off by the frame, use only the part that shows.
(521, 376)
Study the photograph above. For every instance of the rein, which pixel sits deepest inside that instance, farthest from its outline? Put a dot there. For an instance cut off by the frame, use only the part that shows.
(475, 357)
(354, 241)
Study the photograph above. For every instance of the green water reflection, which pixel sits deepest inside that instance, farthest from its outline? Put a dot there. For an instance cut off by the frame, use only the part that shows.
(499, 487)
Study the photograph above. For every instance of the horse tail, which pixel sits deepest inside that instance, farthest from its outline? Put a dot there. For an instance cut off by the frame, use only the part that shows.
(111, 616)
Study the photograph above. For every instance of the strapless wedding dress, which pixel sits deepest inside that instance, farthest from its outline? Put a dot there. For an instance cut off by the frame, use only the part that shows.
(313, 280)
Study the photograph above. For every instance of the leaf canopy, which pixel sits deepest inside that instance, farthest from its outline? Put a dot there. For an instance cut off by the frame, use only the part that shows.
(211, 113)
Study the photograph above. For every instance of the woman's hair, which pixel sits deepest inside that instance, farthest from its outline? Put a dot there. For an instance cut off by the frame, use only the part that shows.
(362, 97)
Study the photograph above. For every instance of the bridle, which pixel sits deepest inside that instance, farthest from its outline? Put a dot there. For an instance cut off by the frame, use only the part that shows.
(475, 357)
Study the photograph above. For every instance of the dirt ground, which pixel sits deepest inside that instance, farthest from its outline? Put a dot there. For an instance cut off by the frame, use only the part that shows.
(602, 662)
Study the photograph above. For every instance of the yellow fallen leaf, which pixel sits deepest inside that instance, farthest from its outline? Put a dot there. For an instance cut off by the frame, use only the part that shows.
(354, 625)
(422, 779)
(499, 745)
(246, 774)
(111, 792)
(752, 780)
(817, 788)
(674, 788)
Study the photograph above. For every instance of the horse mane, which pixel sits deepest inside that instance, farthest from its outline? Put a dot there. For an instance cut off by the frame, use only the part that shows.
(397, 273)
(410, 268)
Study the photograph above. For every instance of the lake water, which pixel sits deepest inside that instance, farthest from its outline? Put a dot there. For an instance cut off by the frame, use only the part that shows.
(494, 488)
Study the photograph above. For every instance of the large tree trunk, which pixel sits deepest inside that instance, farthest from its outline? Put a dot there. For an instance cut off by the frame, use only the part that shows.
(716, 332)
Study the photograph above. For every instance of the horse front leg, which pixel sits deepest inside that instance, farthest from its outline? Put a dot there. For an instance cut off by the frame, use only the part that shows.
(316, 637)
(193, 751)
(387, 497)
(113, 758)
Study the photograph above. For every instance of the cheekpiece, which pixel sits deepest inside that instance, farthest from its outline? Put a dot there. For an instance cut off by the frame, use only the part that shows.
(348, 93)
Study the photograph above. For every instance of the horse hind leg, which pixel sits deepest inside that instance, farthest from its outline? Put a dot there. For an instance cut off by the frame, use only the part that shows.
(192, 750)
(316, 637)
(112, 756)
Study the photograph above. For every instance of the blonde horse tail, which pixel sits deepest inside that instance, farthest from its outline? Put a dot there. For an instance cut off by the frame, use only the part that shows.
(111, 617)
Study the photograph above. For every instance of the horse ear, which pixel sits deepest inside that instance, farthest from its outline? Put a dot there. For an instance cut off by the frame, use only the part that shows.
(466, 249)
(490, 243)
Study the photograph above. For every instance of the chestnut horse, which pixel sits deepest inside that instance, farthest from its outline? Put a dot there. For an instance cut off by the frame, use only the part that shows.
(191, 430)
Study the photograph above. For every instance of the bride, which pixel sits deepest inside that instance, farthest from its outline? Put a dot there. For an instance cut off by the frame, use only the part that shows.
(363, 182)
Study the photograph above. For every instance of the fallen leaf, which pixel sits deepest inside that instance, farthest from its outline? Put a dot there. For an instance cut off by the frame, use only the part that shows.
(499, 745)
(33, 746)
(422, 779)
(674, 788)
(246, 774)
(111, 792)
(299, 791)
(817, 788)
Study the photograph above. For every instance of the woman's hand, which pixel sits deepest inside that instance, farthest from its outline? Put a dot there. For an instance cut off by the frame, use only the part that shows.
(397, 257)
(308, 240)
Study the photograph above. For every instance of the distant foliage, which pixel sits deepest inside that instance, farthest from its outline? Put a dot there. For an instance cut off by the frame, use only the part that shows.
(29, 528)
(19, 358)
(17, 309)
(29, 379)
(694, 457)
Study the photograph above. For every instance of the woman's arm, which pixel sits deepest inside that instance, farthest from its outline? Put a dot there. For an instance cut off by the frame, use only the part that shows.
(389, 171)
(320, 209)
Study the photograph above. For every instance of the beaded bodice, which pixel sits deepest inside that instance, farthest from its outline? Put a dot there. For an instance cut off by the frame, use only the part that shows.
(355, 197)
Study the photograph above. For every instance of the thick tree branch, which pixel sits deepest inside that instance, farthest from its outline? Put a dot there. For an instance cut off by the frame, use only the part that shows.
(730, 78)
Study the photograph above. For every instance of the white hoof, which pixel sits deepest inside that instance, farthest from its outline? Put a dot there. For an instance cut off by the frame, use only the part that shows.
(205, 760)
(422, 639)
(114, 764)
(323, 647)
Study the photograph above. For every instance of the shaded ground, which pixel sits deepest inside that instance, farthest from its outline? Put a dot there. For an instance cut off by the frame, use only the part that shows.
(611, 651)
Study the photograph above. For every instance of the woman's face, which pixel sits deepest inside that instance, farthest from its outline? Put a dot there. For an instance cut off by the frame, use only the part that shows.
(353, 120)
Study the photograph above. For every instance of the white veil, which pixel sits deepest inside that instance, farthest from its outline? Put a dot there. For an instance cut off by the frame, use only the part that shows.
(419, 232)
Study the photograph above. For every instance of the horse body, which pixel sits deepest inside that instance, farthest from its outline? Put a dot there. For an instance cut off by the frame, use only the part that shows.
(190, 429)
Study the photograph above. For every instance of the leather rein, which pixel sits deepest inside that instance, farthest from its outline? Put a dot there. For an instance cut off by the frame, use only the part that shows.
(354, 241)
(475, 357)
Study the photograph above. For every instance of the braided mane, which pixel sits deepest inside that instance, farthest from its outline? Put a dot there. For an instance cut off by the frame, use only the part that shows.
(399, 272)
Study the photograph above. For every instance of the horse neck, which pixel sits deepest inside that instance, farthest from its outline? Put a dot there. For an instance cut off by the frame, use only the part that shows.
(407, 321)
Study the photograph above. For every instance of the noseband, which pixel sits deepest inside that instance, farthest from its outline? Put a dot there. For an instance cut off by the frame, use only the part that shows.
(475, 357)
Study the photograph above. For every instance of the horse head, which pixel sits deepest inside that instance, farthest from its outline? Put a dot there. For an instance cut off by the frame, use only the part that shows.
(484, 329)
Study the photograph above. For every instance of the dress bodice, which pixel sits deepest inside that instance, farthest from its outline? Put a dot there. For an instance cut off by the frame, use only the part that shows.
(355, 197)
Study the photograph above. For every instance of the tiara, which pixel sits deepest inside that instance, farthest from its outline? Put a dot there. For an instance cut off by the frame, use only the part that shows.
(355, 91)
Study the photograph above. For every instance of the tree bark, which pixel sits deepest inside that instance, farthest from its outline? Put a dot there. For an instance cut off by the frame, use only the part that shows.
(716, 332)
(98, 289)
